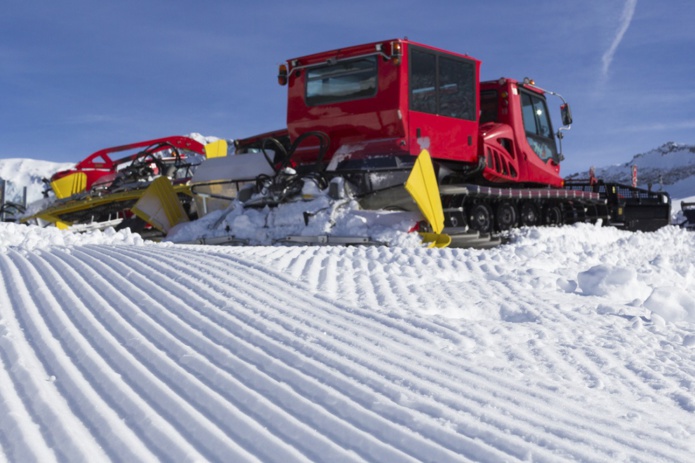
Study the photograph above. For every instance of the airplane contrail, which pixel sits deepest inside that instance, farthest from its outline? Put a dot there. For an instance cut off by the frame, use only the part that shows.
(625, 20)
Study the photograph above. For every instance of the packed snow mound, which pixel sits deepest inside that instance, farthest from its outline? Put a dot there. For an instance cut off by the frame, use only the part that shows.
(604, 280)
(673, 304)
(30, 237)
(318, 217)
(202, 139)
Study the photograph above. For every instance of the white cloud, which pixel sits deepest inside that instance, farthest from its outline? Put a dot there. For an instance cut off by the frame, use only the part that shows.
(625, 20)
(91, 119)
(660, 126)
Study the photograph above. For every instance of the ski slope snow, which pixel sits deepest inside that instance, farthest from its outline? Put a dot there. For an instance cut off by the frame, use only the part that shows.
(567, 344)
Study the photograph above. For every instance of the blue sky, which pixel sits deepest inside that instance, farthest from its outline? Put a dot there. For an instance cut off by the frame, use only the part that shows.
(78, 75)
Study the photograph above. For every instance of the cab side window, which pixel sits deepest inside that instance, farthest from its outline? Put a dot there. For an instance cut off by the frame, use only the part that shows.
(442, 85)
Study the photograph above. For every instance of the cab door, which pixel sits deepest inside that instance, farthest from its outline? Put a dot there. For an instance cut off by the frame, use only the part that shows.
(540, 150)
(443, 104)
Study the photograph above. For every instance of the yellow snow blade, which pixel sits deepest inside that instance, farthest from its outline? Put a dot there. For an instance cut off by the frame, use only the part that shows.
(69, 185)
(159, 206)
(216, 149)
(422, 186)
(436, 240)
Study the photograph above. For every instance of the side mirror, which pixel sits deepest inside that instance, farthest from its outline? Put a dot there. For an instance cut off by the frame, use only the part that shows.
(566, 114)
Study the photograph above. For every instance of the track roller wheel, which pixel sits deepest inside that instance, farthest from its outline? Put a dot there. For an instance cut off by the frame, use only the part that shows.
(528, 214)
(505, 216)
(552, 215)
(481, 218)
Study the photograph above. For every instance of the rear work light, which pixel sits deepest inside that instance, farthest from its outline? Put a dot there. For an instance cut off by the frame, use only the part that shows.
(396, 52)
(529, 81)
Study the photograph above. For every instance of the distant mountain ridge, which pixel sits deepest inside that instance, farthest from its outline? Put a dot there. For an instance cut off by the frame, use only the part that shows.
(663, 168)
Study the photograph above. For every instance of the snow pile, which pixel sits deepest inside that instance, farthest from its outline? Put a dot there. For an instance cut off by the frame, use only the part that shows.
(31, 238)
(672, 304)
(202, 139)
(604, 280)
(637, 269)
(319, 216)
(267, 226)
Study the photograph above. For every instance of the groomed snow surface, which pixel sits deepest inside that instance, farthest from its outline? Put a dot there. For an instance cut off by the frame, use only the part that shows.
(568, 344)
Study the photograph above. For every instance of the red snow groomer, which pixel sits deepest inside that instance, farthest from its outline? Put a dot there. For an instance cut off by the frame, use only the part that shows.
(104, 190)
(146, 159)
(401, 126)
(367, 112)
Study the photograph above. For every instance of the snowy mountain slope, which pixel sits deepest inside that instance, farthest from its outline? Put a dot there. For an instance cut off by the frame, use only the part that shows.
(670, 167)
(28, 173)
(667, 164)
(570, 344)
